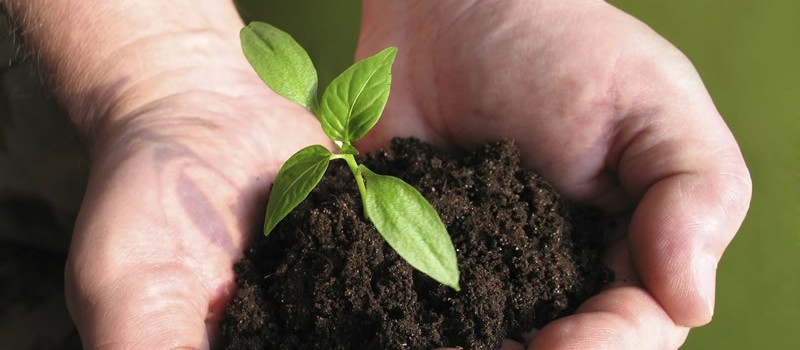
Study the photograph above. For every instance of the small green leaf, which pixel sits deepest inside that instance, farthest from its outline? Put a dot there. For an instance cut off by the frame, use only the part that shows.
(353, 102)
(349, 149)
(280, 62)
(411, 226)
(298, 176)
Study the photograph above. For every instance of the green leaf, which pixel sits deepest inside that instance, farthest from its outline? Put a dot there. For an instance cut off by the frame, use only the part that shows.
(353, 102)
(280, 62)
(298, 176)
(348, 149)
(411, 226)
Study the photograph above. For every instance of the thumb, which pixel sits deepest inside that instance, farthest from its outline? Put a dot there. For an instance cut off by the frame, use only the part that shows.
(678, 233)
(151, 308)
(681, 163)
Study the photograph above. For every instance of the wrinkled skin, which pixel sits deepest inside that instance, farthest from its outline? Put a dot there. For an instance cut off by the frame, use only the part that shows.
(172, 199)
(605, 109)
(600, 105)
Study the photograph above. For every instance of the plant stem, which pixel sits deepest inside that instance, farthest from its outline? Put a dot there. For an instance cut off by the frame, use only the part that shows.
(351, 163)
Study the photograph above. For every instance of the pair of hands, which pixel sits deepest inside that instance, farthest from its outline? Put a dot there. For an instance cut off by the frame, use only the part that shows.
(603, 107)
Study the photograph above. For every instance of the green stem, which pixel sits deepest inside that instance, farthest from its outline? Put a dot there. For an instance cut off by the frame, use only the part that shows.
(351, 163)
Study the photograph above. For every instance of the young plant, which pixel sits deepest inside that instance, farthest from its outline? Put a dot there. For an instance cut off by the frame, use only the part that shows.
(349, 108)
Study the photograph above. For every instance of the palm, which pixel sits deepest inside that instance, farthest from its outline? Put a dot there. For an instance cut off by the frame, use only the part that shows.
(590, 95)
(480, 80)
(169, 209)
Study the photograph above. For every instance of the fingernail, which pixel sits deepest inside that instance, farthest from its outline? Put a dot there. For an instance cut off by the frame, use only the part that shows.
(705, 276)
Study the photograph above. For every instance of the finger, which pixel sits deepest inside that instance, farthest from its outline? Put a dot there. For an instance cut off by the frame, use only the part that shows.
(678, 234)
(619, 318)
(676, 157)
(684, 221)
(164, 313)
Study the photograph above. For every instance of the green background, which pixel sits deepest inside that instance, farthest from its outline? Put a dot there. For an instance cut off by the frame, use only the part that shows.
(748, 53)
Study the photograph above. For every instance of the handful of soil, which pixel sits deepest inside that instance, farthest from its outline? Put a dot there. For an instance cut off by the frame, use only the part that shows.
(325, 279)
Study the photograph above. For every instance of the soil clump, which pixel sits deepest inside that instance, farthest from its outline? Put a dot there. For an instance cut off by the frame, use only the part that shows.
(325, 279)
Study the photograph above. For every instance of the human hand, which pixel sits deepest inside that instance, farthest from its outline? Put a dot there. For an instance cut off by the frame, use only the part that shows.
(178, 184)
(605, 109)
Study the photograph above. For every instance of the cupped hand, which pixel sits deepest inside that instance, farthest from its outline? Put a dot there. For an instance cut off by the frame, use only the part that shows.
(177, 186)
(607, 111)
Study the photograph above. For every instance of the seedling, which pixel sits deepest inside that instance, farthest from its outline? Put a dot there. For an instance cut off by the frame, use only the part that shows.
(349, 108)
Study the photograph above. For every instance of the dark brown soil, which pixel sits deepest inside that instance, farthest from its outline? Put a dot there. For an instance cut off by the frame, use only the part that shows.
(325, 279)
